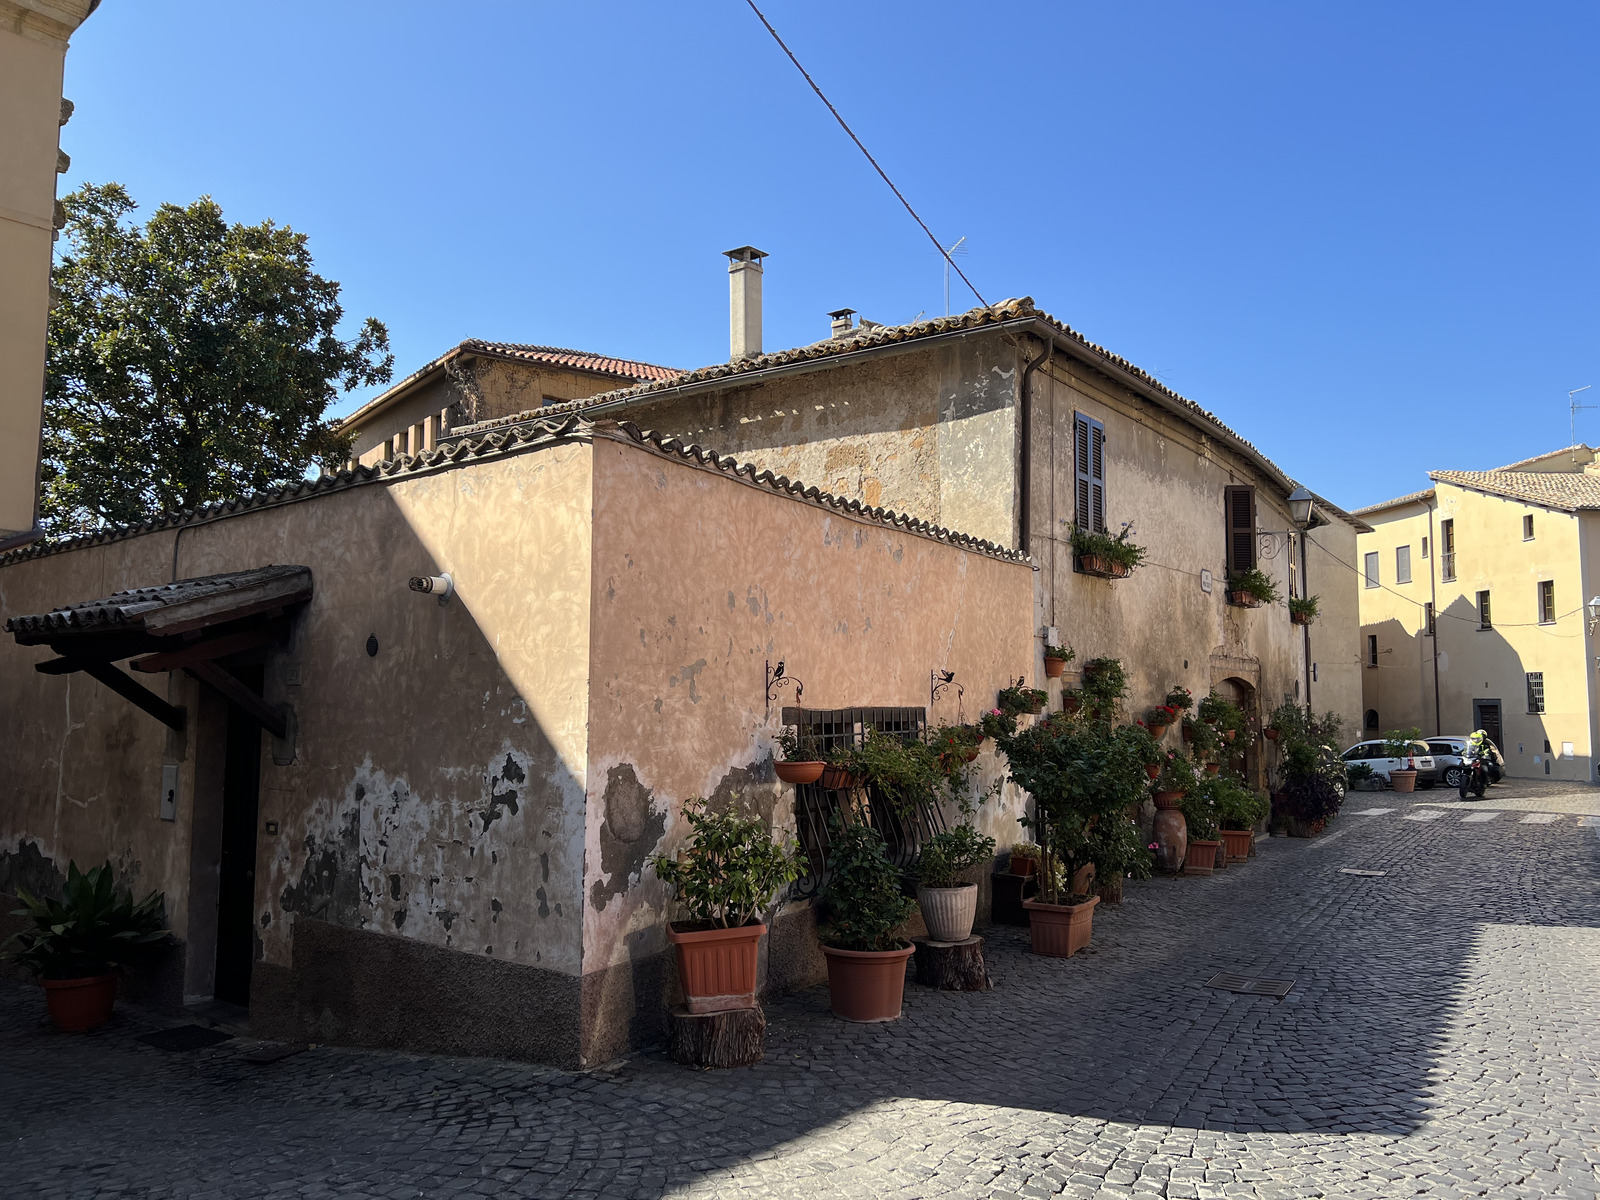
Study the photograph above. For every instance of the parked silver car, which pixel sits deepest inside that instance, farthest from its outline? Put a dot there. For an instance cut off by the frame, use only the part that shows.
(1372, 753)
(1446, 753)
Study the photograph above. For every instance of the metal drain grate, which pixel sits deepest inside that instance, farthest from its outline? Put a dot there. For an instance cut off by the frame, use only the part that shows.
(1363, 874)
(185, 1037)
(1246, 986)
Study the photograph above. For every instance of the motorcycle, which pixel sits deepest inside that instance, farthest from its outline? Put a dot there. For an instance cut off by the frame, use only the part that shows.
(1475, 777)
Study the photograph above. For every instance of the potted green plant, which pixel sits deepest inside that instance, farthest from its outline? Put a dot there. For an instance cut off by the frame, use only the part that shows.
(1056, 659)
(1200, 816)
(955, 746)
(1401, 744)
(1099, 553)
(840, 771)
(1159, 719)
(77, 945)
(1024, 858)
(1238, 809)
(1119, 853)
(1310, 775)
(1080, 774)
(1018, 698)
(860, 935)
(1180, 699)
(1251, 589)
(1170, 832)
(1105, 683)
(1204, 740)
(903, 770)
(1150, 752)
(997, 723)
(1221, 714)
(802, 760)
(1303, 609)
(727, 872)
(1071, 700)
(1360, 777)
(949, 902)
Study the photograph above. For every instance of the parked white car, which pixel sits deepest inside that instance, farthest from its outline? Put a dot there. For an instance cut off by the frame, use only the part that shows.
(1446, 753)
(1372, 753)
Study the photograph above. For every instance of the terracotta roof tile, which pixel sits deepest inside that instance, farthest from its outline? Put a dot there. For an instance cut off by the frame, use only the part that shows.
(1566, 491)
(1414, 497)
(581, 360)
(133, 608)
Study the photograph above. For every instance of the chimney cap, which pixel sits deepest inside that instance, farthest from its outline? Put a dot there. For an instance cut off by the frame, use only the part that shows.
(839, 314)
(746, 254)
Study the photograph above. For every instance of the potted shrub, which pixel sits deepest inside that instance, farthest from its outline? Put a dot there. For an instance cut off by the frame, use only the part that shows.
(802, 760)
(1222, 714)
(1119, 853)
(78, 944)
(1180, 699)
(997, 723)
(1360, 777)
(1170, 832)
(1101, 554)
(1150, 753)
(1019, 698)
(727, 872)
(948, 901)
(1071, 700)
(1200, 815)
(840, 771)
(1056, 659)
(1310, 775)
(1401, 744)
(1024, 858)
(1203, 739)
(956, 746)
(1105, 683)
(1080, 775)
(1159, 719)
(1251, 589)
(1238, 809)
(1303, 609)
(860, 937)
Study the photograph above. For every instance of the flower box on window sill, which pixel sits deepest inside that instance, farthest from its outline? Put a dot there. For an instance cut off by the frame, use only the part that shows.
(1094, 564)
(1301, 618)
(1245, 600)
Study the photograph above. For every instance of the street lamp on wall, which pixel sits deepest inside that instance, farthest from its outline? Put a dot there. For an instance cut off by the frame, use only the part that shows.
(1594, 612)
(1300, 501)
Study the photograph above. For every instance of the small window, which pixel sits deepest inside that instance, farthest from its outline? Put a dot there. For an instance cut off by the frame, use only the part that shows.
(1547, 602)
(1427, 619)
(1424, 547)
(1372, 649)
(1090, 437)
(1447, 549)
(1371, 563)
(1402, 564)
(1239, 514)
(1371, 719)
(1483, 611)
(1536, 696)
(1527, 528)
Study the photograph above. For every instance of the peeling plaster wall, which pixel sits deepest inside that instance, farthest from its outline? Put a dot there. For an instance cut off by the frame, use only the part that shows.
(699, 581)
(437, 789)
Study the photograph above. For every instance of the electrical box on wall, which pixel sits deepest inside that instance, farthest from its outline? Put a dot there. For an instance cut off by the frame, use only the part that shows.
(169, 792)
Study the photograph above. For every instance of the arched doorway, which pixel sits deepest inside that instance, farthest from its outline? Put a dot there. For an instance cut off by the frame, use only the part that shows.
(1245, 757)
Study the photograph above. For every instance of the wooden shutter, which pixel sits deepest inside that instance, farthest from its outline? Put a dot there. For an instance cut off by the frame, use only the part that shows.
(1239, 511)
(1089, 445)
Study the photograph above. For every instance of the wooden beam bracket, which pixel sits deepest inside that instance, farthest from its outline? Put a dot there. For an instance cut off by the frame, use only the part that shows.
(225, 682)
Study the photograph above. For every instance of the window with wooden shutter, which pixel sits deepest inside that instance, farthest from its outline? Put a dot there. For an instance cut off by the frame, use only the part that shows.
(1089, 437)
(1239, 511)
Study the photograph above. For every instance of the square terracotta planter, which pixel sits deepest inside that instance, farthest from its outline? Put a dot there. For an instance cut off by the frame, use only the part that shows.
(1238, 843)
(1201, 859)
(1060, 930)
(717, 967)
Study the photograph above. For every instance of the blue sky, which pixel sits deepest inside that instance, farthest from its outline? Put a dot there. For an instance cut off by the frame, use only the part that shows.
(1363, 234)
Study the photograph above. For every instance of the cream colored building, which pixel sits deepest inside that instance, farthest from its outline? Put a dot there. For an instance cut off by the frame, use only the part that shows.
(33, 50)
(1473, 610)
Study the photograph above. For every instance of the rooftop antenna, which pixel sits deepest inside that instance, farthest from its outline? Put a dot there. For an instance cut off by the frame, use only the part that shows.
(961, 249)
(1573, 409)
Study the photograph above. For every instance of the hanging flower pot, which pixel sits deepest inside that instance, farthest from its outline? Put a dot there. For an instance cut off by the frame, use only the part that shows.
(799, 772)
(1213, 768)
(1270, 733)
(1055, 668)
(1095, 564)
(840, 778)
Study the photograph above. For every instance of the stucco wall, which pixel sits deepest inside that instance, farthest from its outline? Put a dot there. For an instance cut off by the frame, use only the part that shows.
(1400, 687)
(1331, 559)
(700, 580)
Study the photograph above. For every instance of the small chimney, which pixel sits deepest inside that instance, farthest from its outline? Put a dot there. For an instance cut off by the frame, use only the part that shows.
(841, 321)
(744, 302)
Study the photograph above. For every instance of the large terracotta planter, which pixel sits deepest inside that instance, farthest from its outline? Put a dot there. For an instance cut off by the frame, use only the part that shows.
(1055, 668)
(949, 912)
(799, 772)
(1237, 842)
(1201, 858)
(1060, 930)
(717, 967)
(1403, 781)
(79, 1005)
(1170, 833)
(1169, 799)
(839, 779)
(866, 985)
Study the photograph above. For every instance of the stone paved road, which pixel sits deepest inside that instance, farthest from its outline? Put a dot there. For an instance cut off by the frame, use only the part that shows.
(1442, 1039)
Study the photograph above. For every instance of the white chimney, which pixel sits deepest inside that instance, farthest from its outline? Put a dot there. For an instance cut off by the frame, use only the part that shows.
(744, 302)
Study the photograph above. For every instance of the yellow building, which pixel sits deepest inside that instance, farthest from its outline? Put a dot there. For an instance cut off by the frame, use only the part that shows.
(1474, 610)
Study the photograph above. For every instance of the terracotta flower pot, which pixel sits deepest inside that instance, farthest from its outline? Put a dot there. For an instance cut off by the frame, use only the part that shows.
(1243, 600)
(866, 985)
(1093, 564)
(1213, 768)
(1054, 668)
(799, 772)
(1270, 733)
(1111, 893)
(79, 1005)
(1153, 770)
(1170, 832)
(1021, 864)
(1158, 732)
(839, 779)
(1237, 842)
(1229, 733)
(1300, 618)
(1060, 930)
(1037, 706)
(1201, 858)
(1403, 781)
(949, 912)
(1169, 799)
(717, 967)
(1071, 704)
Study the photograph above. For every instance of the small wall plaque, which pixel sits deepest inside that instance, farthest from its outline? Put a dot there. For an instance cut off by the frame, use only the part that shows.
(169, 791)
(1205, 580)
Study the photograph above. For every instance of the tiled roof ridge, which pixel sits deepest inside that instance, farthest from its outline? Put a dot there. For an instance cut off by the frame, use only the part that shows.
(795, 489)
(1398, 500)
(1547, 454)
(496, 442)
(1568, 491)
(604, 364)
(862, 338)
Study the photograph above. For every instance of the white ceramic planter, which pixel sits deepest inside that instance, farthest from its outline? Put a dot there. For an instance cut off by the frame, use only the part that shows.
(949, 912)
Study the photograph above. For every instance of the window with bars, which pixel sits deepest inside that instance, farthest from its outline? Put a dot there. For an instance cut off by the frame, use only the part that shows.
(816, 804)
(1239, 514)
(1536, 696)
(1483, 611)
(1547, 602)
(1090, 462)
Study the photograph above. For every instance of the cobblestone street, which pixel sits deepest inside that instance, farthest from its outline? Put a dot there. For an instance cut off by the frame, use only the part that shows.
(1441, 1039)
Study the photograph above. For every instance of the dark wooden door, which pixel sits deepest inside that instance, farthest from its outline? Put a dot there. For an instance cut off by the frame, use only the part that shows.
(1486, 716)
(236, 886)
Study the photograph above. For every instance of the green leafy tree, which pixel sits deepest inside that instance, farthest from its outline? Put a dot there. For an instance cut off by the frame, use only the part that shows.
(190, 361)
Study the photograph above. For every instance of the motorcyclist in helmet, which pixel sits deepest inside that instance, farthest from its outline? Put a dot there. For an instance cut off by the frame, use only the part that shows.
(1480, 761)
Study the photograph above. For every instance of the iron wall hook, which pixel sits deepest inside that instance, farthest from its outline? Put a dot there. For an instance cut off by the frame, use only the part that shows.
(940, 682)
(776, 678)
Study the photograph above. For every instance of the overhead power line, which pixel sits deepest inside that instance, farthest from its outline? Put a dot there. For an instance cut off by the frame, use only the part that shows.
(881, 172)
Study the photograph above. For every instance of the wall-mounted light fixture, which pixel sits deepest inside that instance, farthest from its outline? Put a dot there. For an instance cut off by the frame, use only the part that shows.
(776, 678)
(1594, 613)
(434, 585)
